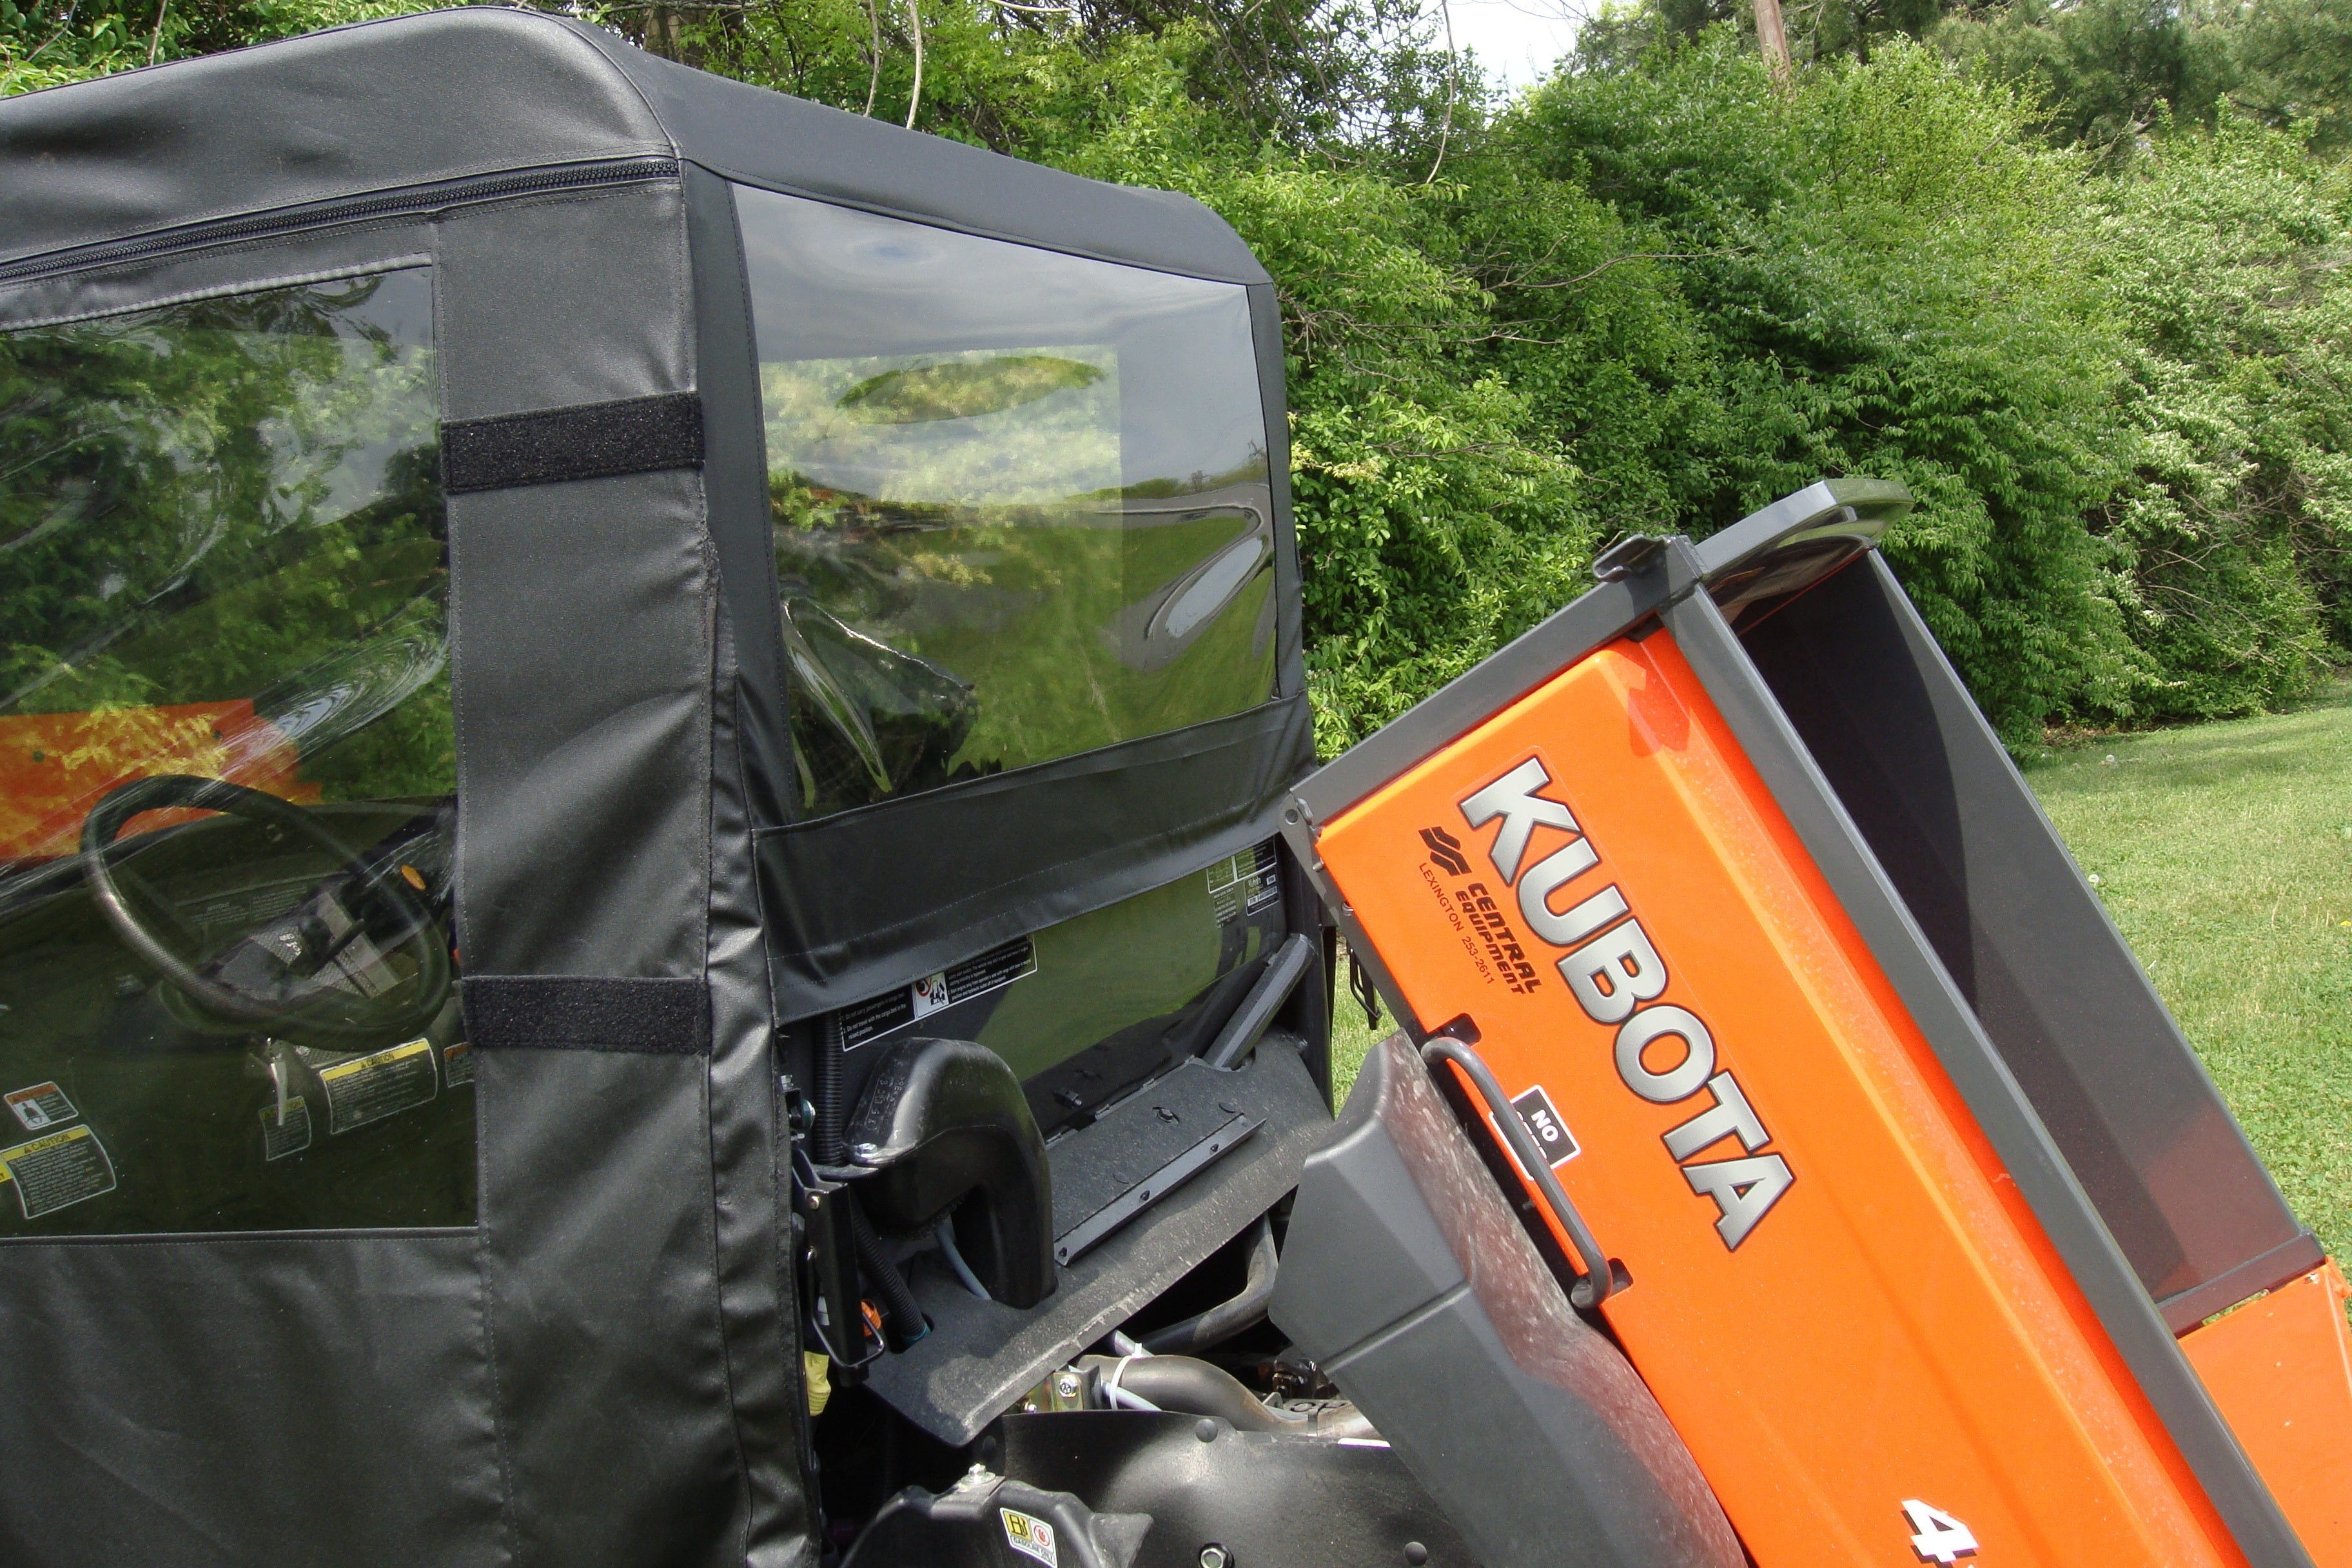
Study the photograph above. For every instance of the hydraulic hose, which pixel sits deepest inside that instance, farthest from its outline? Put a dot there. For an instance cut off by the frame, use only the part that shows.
(1196, 1388)
(1223, 1321)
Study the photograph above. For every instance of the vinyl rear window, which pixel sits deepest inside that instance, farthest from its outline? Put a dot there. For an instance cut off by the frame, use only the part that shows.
(1020, 499)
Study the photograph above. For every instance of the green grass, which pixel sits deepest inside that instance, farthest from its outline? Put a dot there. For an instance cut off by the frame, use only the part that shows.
(2224, 854)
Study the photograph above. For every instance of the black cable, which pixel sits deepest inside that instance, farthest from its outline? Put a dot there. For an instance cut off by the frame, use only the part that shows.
(900, 1313)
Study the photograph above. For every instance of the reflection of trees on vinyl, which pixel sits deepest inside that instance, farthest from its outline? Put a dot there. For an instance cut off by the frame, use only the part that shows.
(234, 500)
(970, 580)
(963, 389)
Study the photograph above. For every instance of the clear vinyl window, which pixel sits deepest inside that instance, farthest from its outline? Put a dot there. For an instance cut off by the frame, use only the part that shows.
(1020, 499)
(227, 771)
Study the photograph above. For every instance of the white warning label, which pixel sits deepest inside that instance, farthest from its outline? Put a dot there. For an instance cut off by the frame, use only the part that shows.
(42, 1105)
(1029, 1535)
(52, 1172)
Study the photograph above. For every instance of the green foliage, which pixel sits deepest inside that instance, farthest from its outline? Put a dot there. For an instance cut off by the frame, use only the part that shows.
(2070, 272)
(2223, 256)
(233, 499)
(1878, 260)
(2105, 71)
(50, 46)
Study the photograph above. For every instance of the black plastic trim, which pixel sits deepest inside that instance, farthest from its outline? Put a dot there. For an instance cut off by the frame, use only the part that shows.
(2287, 1261)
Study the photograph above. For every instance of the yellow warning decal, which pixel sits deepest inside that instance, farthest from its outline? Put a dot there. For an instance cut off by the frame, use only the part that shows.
(57, 1170)
(39, 1145)
(396, 1055)
(370, 1088)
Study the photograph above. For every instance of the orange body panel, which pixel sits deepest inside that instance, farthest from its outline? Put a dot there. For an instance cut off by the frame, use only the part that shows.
(55, 766)
(1891, 1326)
(2280, 1371)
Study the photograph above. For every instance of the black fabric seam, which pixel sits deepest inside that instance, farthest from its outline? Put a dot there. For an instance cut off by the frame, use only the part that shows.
(425, 221)
(206, 1238)
(1169, 838)
(225, 291)
(876, 808)
(498, 1440)
(326, 214)
(1025, 912)
(772, 629)
(727, 667)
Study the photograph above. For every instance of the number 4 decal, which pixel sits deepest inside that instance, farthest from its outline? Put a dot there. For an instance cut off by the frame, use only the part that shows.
(1939, 1538)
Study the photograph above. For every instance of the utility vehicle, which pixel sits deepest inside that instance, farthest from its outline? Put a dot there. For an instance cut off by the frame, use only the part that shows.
(665, 898)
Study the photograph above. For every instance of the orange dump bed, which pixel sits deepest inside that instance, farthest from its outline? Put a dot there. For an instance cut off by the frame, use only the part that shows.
(2281, 1370)
(1837, 1294)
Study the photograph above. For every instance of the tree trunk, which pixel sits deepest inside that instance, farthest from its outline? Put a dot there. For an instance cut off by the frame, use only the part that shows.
(1773, 37)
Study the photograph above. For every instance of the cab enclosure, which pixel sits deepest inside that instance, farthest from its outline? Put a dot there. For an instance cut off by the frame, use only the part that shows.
(641, 731)
(659, 902)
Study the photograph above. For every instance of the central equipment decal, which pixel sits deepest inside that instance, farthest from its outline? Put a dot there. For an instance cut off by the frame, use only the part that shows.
(1487, 934)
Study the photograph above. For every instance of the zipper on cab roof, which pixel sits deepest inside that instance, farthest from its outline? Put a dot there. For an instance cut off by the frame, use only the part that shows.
(349, 209)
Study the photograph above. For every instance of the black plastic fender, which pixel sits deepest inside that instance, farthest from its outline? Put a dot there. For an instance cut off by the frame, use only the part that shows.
(942, 1120)
(1409, 1280)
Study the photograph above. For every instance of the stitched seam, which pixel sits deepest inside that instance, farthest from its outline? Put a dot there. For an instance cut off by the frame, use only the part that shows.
(259, 286)
(210, 1237)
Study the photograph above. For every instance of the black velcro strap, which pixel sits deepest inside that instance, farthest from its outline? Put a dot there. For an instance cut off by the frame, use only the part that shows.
(578, 1013)
(587, 441)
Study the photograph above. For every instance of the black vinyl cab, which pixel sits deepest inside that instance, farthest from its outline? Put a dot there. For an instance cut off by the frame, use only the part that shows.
(645, 738)
(556, 606)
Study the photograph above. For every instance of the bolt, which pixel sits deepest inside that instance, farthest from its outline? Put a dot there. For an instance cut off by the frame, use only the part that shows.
(1067, 1384)
(1205, 1430)
(1215, 1556)
(1415, 1553)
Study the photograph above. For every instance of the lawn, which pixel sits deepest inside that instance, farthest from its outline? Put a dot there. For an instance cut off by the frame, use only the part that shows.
(2224, 854)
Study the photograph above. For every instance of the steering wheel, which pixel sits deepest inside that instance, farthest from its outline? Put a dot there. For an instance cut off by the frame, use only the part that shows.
(137, 912)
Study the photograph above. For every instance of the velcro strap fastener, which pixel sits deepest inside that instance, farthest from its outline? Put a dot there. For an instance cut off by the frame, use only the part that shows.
(587, 441)
(588, 1013)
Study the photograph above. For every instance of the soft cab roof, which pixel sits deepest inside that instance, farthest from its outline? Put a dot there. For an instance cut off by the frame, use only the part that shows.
(417, 100)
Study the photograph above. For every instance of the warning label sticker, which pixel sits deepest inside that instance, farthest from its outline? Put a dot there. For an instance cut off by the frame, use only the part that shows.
(43, 1105)
(287, 1133)
(370, 1088)
(992, 971)
(457, 1064)
(62, 1169)
(1245, 883)
(1030, 1536)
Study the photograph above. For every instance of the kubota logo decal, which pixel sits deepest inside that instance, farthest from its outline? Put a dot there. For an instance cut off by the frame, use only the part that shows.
(1619, 980)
